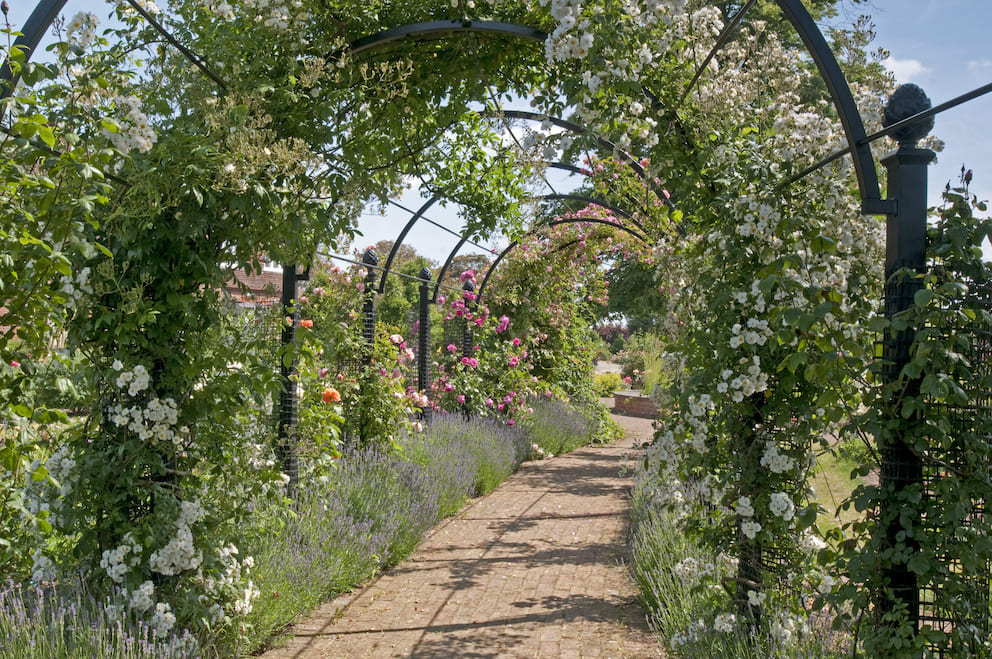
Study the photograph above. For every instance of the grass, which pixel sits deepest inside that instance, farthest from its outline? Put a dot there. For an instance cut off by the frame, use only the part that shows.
(557, 428)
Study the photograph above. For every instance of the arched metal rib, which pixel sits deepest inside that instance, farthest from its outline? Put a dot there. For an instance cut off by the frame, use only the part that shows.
(515, 243)
(441, 29)
(850, 118)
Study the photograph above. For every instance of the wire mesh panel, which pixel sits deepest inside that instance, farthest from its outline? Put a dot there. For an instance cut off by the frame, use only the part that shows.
(958, 598)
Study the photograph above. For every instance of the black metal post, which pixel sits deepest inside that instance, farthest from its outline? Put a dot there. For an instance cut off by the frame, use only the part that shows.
(371, 260)
(287, 370)
(905, 251)
(424, 333)
(468, 291)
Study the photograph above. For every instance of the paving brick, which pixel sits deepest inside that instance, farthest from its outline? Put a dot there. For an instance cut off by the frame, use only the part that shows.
(531, 570)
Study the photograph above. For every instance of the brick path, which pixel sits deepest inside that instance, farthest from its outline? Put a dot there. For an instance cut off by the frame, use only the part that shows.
(531, 570)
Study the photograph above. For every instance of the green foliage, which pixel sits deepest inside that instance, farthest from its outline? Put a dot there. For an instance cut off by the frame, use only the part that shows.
(930, 407)
(670, 567)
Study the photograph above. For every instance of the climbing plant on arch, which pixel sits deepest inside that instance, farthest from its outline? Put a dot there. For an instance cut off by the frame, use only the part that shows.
(268, 133)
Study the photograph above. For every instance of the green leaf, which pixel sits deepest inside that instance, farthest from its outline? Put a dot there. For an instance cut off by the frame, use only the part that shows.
(46, 135)
(922, 298)
(918, 564)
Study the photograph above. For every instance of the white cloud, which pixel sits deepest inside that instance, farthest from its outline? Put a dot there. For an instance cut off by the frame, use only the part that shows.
(905, 69)
(980, 67)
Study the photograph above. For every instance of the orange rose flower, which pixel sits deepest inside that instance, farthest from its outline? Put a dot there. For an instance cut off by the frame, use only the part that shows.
(306, 323)
(331, 396)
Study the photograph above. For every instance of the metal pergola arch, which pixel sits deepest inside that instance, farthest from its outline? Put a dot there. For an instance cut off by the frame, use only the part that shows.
(516, 243)
(859, 143)
(899, 208)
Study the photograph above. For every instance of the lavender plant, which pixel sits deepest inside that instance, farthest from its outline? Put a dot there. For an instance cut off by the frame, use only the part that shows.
(38, 621)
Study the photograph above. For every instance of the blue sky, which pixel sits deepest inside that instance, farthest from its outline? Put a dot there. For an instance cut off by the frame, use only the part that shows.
(943, 46)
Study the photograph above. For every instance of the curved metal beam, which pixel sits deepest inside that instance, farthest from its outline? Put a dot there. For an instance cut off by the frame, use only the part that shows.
(399, 240)
(512, 245)
(850, 118)
(592, 201)
(34, 29)
(444, 268)
(601, 141)
(442, 29)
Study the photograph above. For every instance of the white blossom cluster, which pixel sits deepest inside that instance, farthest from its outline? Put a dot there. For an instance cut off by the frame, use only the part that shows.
(234, 579)
(42, 567)
(118, 561)
(157, 420)
(133, 130)
(725, 623)
(561, 45)
(39, 498)
(147, 5)
(180, 553)
(75, 287)
(782, 506)
(810, 543)
(142, 599)
(776, 462)
(277, 15)
(756, 599)
(81, 29)
(751, 380)
(163, 620)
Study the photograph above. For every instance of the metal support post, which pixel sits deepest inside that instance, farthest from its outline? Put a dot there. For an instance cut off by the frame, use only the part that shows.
(424, 333)
(287, 370)
(905, 252)
(468, 293)
(371, 260)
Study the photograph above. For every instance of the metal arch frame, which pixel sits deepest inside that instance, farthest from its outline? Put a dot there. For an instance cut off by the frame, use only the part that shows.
(401, 237)
(549, 197)
(632, 162)
(44, 15)
(604, 143)
(40, 20)
(492, 268)
(429, 29)
(850, 118)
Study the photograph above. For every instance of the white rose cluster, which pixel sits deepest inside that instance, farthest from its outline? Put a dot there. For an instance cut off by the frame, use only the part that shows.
(180, 553)
(776, 462)
(75, 287)
(750, 529)
(163, 620)
(276, 15)
(744, 507)
(142, 597)
(234, 579)
(118, 561)
(42, 567)
(157, 420)
(725, 622)
(134, 132)
(561, 45)
(81, 29)
(39, 498)
(782, 506)
(751, 380)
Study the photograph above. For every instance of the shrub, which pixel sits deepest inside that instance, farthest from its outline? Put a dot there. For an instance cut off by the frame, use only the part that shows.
(607, 383)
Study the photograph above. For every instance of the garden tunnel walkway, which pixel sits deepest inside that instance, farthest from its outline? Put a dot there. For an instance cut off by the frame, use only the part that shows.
(533, 569)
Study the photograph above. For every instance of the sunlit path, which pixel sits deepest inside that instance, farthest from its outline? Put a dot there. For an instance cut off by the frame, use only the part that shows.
(534, 569)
